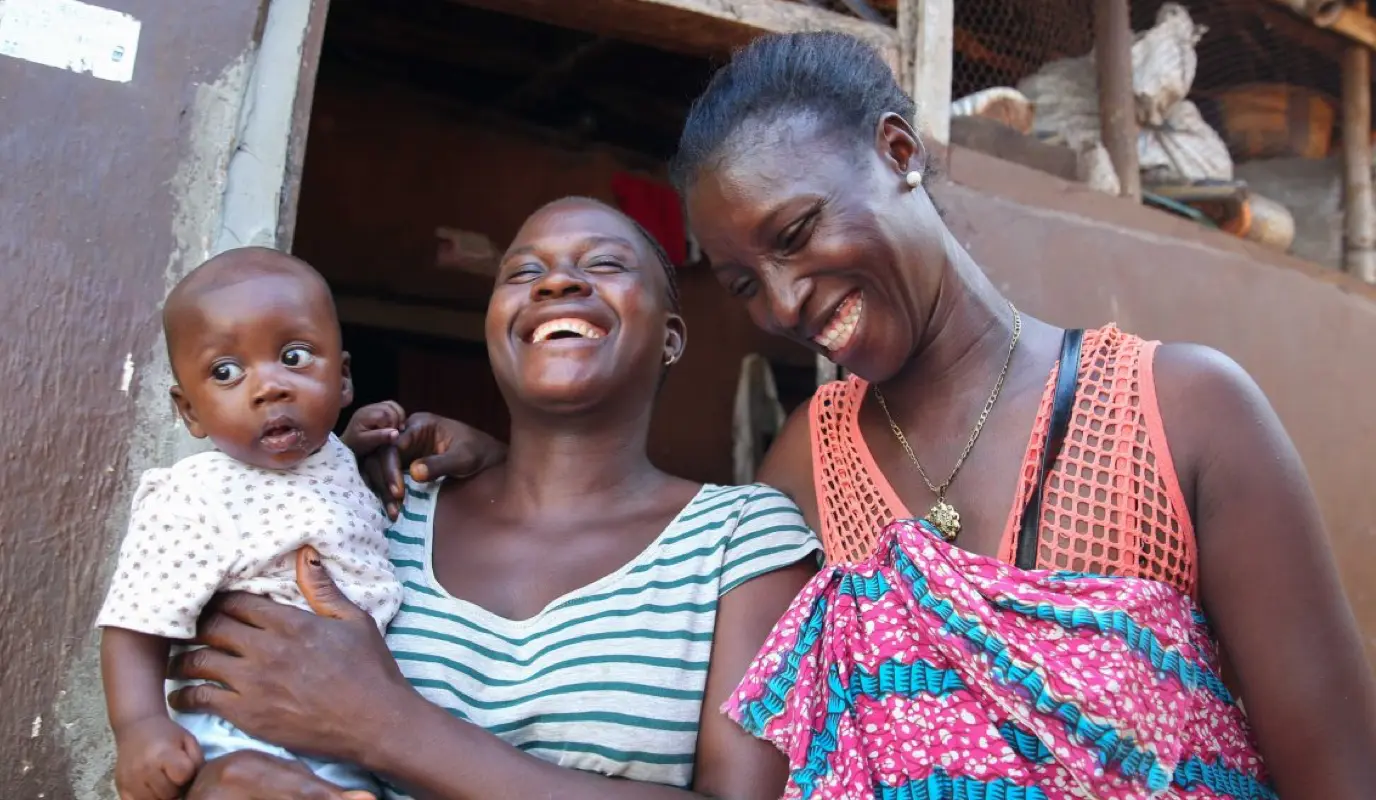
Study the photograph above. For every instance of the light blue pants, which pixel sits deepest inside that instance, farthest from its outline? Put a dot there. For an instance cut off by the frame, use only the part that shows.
(217, 737)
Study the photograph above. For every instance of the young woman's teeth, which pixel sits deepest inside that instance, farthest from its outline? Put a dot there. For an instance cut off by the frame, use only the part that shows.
(566, 329)
(838, 331)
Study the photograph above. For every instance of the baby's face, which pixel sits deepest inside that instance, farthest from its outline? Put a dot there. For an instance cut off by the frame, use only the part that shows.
(260, 369)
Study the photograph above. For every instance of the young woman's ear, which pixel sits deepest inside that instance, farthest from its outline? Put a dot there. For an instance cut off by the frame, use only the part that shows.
(187, 413)
(346, 367)
(675, 339)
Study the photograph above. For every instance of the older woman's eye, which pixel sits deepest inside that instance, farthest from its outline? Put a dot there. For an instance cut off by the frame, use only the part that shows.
(743, 287)
(795, 236)
(226, 372)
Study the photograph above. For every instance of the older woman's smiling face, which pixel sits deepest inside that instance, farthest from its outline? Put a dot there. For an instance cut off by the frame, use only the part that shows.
(580, 312)
(817, 238)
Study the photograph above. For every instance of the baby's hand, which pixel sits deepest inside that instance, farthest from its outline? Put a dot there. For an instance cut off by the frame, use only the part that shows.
(373, 426)
(157, 759)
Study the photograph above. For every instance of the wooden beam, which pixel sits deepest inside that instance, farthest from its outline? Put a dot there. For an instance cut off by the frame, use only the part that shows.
(862, 9)
(300, 123)
(1117, 110)
(425, 320)
(696, 27)
(1351, 22)
(926, 29)
(1359, 213)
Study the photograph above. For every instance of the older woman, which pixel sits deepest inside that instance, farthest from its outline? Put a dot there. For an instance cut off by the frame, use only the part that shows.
(1162, 465)
(573, 618)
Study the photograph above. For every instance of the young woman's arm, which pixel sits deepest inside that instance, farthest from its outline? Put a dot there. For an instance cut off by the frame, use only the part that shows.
(1268, 581)
(341, 696)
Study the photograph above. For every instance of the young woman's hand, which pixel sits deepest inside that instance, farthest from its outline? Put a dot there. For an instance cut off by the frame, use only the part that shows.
(430, 447)
(320, 684)
(247, 775)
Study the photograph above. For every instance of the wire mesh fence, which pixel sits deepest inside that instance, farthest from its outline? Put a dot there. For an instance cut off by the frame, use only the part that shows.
(1247, 45)
(999, 43)
(1240, 97)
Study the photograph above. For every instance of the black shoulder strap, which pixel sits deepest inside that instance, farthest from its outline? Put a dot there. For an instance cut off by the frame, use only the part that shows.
(1062, 404)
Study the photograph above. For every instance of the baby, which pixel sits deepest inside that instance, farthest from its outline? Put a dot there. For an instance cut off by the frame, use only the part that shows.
(258, 367)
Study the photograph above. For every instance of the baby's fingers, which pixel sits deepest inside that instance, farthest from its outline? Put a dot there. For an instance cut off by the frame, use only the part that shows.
(181, 767)
(367, 441)
(161, 787)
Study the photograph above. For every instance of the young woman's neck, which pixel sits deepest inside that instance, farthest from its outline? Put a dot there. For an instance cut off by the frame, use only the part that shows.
(563, 462)
(970, 328)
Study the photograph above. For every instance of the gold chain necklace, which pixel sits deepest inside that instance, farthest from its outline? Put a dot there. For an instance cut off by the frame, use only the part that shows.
(944, 515)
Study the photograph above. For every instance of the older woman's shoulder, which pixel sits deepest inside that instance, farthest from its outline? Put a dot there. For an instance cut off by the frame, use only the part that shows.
(1207, 402)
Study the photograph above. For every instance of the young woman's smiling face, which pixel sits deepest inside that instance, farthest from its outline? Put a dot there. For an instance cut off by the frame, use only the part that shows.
(580, 314)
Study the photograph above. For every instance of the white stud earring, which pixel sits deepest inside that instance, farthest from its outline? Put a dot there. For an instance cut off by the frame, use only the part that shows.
(914, 179)
(669, 361)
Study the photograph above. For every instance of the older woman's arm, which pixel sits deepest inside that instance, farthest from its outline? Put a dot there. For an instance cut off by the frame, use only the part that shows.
(1268, 579)
(326, 685)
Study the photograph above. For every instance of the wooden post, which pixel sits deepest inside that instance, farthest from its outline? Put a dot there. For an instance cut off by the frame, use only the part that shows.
(1117, 110)
(1359, 215)
(926, 29)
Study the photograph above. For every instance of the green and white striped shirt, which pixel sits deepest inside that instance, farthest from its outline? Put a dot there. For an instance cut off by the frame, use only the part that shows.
(608, 678)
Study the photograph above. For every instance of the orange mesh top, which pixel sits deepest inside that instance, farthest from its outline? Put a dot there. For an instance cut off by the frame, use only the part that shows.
(1112, 503)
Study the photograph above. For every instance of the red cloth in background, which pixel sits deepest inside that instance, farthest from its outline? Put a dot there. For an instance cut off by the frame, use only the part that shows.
(656, 207)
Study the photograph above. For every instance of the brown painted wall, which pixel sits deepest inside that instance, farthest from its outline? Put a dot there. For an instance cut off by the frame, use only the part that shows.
(1308, 336)
(87, 203)
(385, 166)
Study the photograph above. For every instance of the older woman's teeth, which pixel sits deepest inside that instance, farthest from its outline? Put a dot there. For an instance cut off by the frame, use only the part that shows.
(838, 331)
(568, 328)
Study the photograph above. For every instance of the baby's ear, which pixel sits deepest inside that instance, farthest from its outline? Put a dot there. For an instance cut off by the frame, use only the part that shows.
(346, 367)
(188, 414)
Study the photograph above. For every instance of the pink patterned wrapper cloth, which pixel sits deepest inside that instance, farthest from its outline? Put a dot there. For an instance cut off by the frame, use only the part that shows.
(930, 673)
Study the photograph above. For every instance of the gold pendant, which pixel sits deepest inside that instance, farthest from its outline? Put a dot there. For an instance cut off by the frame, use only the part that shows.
(946, 520)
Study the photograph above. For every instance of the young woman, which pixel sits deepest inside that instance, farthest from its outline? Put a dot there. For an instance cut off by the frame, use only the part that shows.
(572, 618)
(806, 185)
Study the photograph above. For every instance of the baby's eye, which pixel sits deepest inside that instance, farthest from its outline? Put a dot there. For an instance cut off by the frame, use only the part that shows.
(297, 357)
(226, 372)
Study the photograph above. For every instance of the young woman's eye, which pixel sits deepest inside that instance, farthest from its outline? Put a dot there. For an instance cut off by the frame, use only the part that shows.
(226, 372)
(523, 274)
(605, 266)
(297, 357)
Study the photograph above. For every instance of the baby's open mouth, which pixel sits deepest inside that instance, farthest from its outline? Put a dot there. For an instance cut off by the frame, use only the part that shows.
(566, 328)
(280, 436)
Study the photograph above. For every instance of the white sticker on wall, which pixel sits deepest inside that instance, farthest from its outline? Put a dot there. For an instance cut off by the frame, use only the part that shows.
(69, 34)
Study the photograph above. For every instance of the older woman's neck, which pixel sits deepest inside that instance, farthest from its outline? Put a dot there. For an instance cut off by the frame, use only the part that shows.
(970, 325)
(558, 462)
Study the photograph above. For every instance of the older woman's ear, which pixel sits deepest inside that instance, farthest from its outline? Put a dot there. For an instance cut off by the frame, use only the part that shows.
(899, 145)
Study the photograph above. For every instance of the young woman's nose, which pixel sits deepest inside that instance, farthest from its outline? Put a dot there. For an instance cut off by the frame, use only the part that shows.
(560, 282)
